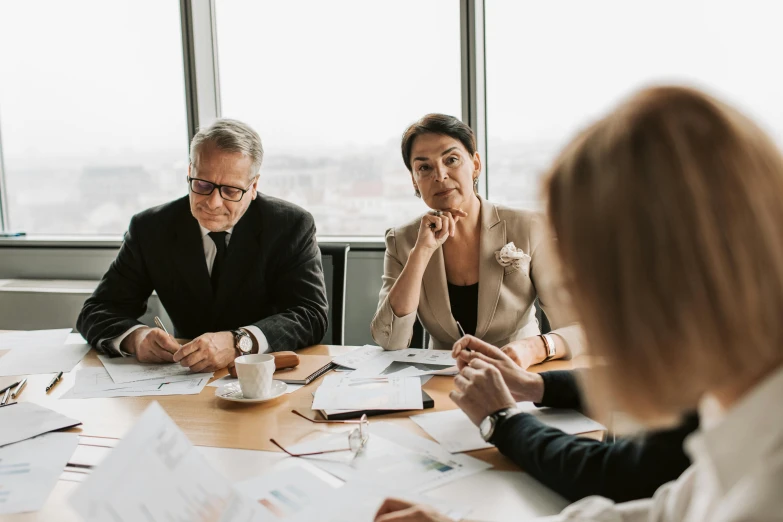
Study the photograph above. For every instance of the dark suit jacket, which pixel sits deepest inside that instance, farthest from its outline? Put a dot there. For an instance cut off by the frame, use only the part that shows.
(272, 277)
(577, 467)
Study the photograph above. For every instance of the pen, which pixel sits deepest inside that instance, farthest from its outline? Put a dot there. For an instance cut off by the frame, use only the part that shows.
(2, 390)
(462, 333)
(160, 324)
(5, 396)
(18, 388)
(55, 380)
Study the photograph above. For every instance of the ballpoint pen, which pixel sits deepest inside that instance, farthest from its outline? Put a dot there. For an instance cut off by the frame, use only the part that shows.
(55, 380)
(160, 324)
(462, 333)
(5, 396)
(18, 388)
(2, 390)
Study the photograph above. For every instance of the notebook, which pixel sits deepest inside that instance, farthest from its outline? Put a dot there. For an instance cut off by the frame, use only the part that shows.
(310, 368)
(426, 400)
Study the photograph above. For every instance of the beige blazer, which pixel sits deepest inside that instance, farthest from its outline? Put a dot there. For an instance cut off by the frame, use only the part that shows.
(505, 297)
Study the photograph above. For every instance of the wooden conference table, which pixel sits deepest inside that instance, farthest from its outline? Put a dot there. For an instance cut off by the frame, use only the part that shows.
(213, 422)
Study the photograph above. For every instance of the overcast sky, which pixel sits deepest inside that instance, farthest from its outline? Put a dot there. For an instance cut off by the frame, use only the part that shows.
(103, 78)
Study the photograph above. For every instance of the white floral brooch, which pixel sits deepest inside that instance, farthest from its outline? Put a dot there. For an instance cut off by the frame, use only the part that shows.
(510, 255)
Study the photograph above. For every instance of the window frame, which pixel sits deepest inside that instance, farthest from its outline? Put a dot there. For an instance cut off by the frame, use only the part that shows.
(202, 99)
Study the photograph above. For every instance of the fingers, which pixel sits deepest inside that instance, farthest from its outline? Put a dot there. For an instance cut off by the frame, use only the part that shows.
(186, 350)
(203, 366)
(390, 505)
(457, 396)
(466, 357)
(161, 354)
(461, 344)
(232, 370)
(163, 340)
(195, 357)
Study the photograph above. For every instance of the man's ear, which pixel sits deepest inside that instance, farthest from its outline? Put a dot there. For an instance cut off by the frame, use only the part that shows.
(254, 187)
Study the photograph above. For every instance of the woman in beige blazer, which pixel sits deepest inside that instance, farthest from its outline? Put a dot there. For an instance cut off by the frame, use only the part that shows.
(468, 259)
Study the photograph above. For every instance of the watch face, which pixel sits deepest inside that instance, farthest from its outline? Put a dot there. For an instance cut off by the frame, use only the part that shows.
(486, 427)
(245, 344)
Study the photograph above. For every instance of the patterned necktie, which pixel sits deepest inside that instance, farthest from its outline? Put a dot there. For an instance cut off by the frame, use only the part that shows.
(217, 267)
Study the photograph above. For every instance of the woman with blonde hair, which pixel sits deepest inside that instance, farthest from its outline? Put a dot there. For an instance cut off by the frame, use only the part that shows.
(669, 221)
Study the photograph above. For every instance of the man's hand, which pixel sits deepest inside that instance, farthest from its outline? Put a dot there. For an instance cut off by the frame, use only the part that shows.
(396, 510)
(150, 345)
(523, 385)
(481, 391)
(207, 353)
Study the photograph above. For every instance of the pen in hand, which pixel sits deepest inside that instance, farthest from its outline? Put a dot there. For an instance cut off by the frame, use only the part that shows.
(55, 380)
(463, 334)
(160, 325)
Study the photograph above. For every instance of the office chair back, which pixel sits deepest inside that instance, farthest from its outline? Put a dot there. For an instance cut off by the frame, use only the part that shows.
(334, 257)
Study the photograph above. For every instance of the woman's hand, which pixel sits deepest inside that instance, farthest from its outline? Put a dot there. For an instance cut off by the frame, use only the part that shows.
(444, 226)
(396, 510)
(526, 352)
(523, 385)
(481, 391)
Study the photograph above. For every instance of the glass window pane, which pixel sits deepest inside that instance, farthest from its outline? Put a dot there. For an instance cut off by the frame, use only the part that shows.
(552, 67)
(330, 87)
(92, 112)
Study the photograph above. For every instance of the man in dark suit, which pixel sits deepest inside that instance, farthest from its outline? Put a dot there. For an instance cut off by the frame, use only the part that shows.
(237, 271)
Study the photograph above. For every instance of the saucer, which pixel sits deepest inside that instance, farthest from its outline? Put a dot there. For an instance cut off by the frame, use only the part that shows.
(233, 392)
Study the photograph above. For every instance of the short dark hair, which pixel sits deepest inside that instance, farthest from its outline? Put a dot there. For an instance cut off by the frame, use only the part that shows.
(437, 124)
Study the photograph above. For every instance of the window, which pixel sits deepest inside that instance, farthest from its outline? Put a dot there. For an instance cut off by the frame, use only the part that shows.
(92, 112)
(552, 67)
(330, 87)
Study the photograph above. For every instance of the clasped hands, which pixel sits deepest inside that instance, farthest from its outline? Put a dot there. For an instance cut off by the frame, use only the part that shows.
(206, 353)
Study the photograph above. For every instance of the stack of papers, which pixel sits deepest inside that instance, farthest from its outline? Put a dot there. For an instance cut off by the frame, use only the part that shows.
(345, 392)
(40, 351)
(155, 473)
(373, 361)
(126, 377)
(454, 431)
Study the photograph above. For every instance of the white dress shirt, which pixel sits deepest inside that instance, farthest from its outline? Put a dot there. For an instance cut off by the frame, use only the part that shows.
(210, 251)
(736, 475)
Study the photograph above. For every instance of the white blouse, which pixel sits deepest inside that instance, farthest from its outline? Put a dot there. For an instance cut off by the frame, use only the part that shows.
(736, 475)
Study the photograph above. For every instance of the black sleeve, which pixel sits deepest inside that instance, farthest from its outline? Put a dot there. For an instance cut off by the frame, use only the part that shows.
(561, 390)
(577, 467)
(120, 298)
(300, 295)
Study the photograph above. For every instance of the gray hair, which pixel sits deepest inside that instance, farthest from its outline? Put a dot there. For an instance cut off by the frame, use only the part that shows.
(231, 136)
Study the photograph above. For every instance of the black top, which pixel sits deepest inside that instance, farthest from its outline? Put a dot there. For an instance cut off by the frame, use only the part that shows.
(271, 277)
(577, 467)
(464, 306)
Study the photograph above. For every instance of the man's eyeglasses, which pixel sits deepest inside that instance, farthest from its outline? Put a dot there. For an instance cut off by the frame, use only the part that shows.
(357, 438)
(227, 192)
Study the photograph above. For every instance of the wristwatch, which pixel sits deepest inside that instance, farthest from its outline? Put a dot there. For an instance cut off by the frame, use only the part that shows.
(491, 422)
(242, 342)
(551, 349)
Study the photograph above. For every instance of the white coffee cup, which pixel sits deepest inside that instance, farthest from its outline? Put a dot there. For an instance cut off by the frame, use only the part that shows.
(255, 373)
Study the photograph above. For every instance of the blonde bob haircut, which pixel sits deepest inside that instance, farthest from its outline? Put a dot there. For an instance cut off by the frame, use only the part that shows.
(669, 219)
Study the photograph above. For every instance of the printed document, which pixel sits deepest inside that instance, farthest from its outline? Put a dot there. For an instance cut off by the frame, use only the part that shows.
(155, 473)
(454, 431)
(356, 358)
(410, 362)
(343, 392)
(24, 420)
(128, 369)
(95, 382)
(30, 469)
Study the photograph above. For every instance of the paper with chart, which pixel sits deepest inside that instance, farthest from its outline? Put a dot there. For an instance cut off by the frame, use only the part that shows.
(46, 359)
(24, 420)
(34, 339)
(30, 469)
(343, 392)
(95, 382)
(128, 369)
(155, 473)
(394, 457)
(409, 362)
(454, 431)
(292, 494)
